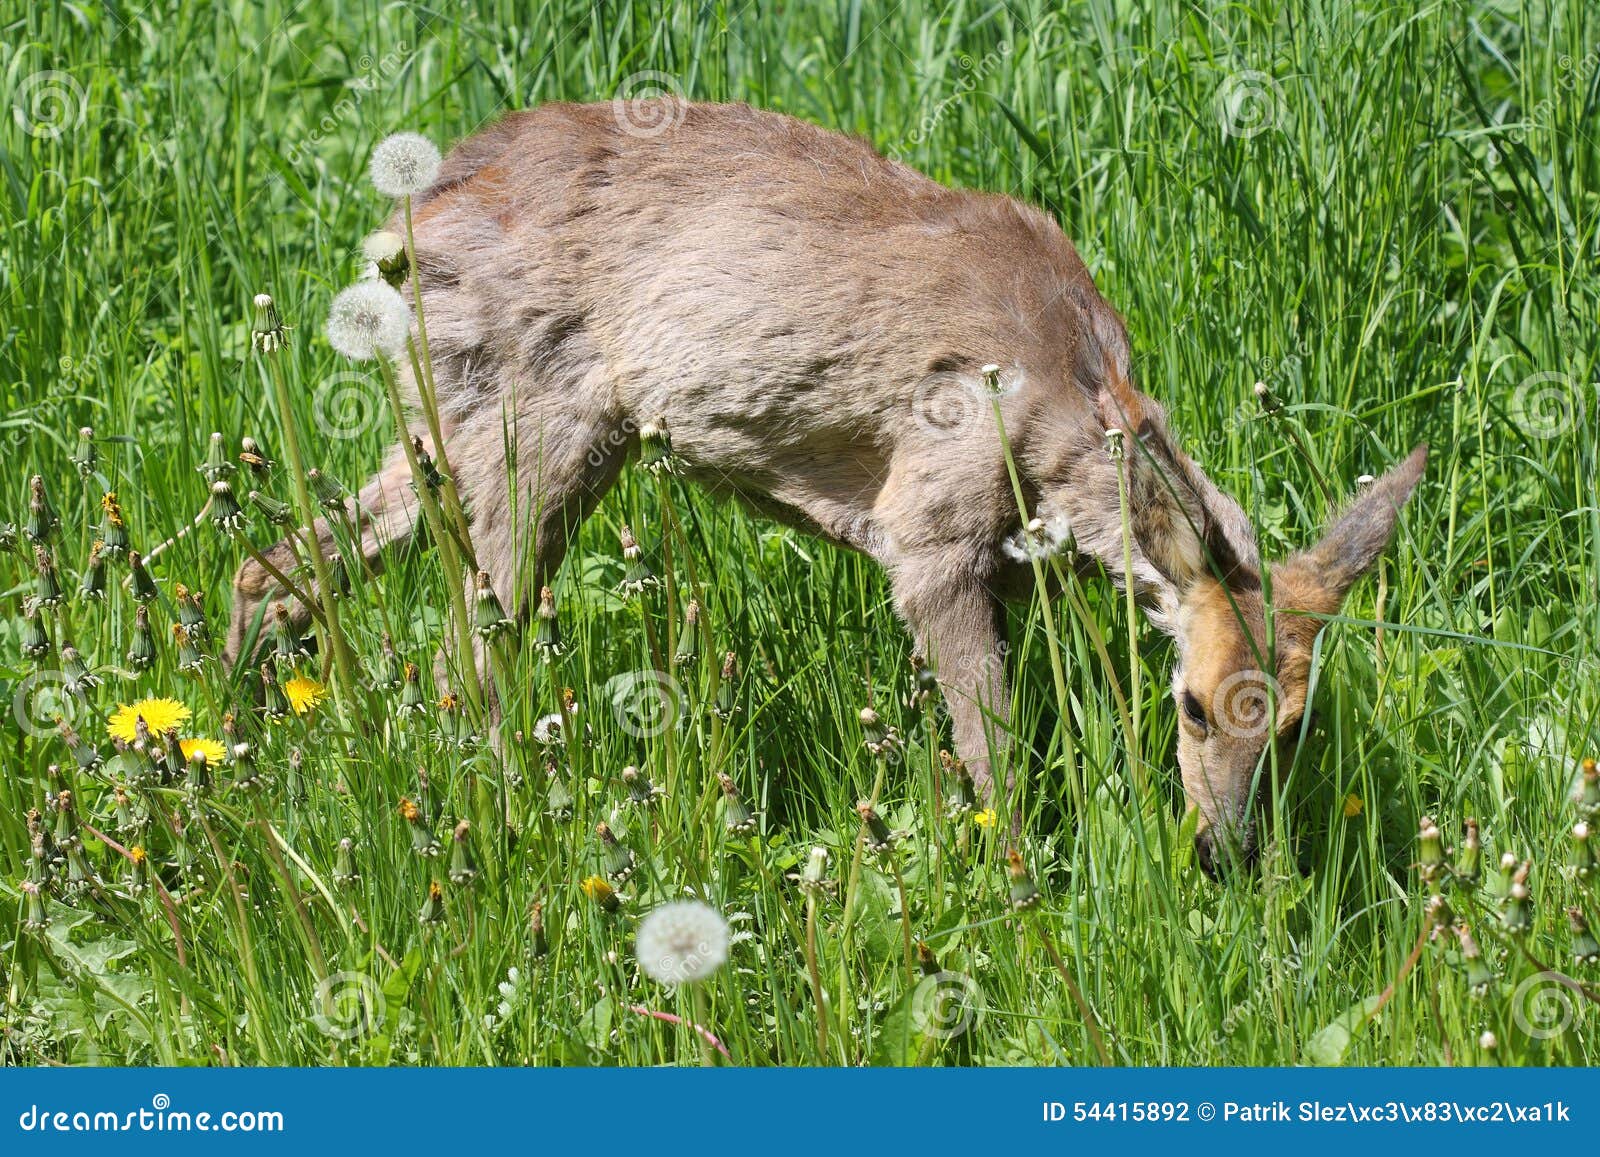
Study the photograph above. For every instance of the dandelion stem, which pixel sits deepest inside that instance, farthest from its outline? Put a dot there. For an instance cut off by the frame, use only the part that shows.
(1090, 1023)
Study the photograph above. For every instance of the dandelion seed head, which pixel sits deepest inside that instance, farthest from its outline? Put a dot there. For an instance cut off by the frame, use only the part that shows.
(404, 164)
(367, 320)
(682, 942)
(383, 245)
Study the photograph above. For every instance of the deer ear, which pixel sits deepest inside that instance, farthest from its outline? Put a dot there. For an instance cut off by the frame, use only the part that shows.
(1185, 527)
(1355, 539)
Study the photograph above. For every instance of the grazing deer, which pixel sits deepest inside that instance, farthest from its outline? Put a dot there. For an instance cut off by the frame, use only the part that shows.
(811, 320)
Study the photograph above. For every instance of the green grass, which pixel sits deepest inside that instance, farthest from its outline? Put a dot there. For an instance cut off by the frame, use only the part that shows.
(1409, 239)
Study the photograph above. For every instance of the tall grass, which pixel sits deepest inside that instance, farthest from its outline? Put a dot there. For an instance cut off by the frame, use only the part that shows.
(1388, 215)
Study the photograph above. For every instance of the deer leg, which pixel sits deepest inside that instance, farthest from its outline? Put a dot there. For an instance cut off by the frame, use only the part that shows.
(958, 624)
(387, 513)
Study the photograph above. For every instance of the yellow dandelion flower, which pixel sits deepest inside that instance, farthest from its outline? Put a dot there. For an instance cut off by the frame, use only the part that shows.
(599, 889)
(214, 752)
(137, 855)
(160, 715)
(1352, 806)
(985, 818)
(304, 693)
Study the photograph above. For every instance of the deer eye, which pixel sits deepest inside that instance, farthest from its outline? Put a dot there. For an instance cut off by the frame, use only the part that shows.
(1192, 708)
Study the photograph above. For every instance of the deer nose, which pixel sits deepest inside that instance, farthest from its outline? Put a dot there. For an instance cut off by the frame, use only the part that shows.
(1222, 851)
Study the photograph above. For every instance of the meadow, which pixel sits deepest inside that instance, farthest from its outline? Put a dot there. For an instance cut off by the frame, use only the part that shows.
(1388, 214)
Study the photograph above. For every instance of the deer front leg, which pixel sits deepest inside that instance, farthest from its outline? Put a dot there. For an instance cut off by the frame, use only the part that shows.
(958, 622)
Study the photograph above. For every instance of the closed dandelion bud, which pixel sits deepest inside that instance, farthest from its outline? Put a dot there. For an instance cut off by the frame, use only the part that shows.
(640, 790)
(287, 645)
(34, 917)
(254, 457)
(637, 577)
(412, 700)
(814, 876)
(92, 587)
(688, 651)
(880, 739)
(423, 841)
(246, 775)
(391, 674)
(880, 839)
(1518, 915)
(345, 874)
(76, 676)
(618, 857)
(431, 478)
(190, 614)
(190, 657)
(269, 333)
(65, 836)
(655, 448)
(1430, 856)
(144, 587)
(1024, 892)
(927, 962)
(924, 687)
(274, 702)
(599, 889)
(35, 634)
(127, 821)
(540, 942)
(339, 576)
(199, 774)
(84, 754)
(727, 702)
(327, 491)
(433, 907)
(736, 814)
(225, 513)
(1469, 864)
(216, 467)
(86, 457)
(47, 587)
(961, 793)
(43, 521)
(1582, 851)
(1588, 793)
(138, 870)
(547, 631)
(492, 620)
(1585, 948)
(142, 648)
(463, 869)
(274, 512)
(113, 528)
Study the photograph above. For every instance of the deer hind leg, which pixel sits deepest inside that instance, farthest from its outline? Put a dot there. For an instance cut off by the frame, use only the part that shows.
(528, 478)
(387, 513)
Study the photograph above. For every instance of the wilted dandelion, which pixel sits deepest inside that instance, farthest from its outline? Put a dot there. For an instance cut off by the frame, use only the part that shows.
(79, 680)
(682, 942)
(43, 521)
(47, 587)
(144, 587)
(491, 620)
(637, 577)
(618, 857)
(433, 907)
(655, 448)
(386, 251)
(92, 588)
(86, 456)
(368, 320)
(36, 642)
(190, 658)
(463, 868)
(190, 613)
(412, 700)
(404, 164)
(269, 333)
(736, 814)
(1024, 892)
(423, 841)
(547, 632)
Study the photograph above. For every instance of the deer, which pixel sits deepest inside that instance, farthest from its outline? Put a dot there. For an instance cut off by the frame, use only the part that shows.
(828, 335)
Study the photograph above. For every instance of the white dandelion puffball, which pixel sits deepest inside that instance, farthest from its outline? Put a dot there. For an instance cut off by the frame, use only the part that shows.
(682, 942)
(368, 320)
(404, 164)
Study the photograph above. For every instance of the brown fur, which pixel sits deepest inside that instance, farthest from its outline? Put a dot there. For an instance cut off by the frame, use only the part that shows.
(783, 297)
